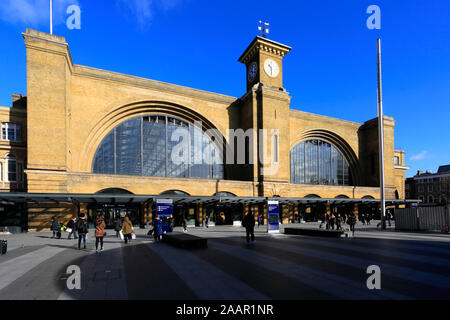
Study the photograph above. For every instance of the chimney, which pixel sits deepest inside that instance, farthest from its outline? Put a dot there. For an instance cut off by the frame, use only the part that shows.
(19, 101)
(419, 172)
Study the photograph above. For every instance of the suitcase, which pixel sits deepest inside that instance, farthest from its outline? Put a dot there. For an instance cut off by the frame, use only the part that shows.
(3, 246)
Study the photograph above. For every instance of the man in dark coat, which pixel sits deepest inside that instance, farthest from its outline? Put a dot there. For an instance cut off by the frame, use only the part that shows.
(352, 221)
(55, 227)
(83, 229)
(249, 224)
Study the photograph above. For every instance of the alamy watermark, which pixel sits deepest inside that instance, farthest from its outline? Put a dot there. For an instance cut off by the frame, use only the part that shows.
(374, 280)
(74, 280)
(238, 150)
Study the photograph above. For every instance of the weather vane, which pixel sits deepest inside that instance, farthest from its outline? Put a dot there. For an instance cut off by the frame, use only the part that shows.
(264, 28)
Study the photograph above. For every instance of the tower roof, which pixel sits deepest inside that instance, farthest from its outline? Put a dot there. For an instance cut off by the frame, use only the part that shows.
(266, 45)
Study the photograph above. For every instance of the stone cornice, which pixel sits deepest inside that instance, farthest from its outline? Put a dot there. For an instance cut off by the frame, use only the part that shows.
(263, 44)
(104, 75)
(302, 114)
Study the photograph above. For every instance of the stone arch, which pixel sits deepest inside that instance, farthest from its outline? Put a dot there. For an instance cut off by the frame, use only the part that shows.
(126, 112)
(342, 196)
(314, 196)
(224, 194)
(367, 197)
(174, 193)
(340, 144)
(114, 191)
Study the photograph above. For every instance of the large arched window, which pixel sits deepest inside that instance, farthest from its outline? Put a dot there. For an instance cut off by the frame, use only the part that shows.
(161, 146)
(319, 162)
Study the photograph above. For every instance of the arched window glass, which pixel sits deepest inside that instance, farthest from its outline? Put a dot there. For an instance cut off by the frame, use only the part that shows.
(319, 162)
(160, 146)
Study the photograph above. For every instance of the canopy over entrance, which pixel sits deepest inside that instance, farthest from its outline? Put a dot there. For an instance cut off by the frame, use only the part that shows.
(14, 198)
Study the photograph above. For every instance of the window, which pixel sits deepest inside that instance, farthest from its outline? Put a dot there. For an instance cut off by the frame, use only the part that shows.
(430, 188)
(11, 165)
(10, 132)
(275, 148)
(430, 199)
(396, 160)
(420, 189)
(318, 162)
(159, 146)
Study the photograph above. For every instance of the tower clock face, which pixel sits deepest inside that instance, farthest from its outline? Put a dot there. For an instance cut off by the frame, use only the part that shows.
(252, 71)
(271, 68)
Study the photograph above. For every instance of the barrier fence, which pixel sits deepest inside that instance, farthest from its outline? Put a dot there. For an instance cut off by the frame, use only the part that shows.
(423, 218)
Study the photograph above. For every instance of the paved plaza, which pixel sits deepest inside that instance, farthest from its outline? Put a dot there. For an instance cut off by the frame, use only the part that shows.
(277, 266)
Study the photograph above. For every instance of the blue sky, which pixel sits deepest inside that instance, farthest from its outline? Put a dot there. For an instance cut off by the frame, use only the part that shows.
(331, 69)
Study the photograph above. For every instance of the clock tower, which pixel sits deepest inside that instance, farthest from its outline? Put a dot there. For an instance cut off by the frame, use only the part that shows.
(264, 61)
(264, 108)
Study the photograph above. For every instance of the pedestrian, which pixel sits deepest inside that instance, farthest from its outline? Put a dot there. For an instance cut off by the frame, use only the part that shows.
(389, 217)
(118, 225)
(99, 231)
(157, 226)
(71, 228)
(323, 220)
(83, 229)
(55, 227)
(249, 224)
(362, 218)
(127, 229)
(184, 224)
(352, 221)
(332, 221)
(339, 222)
(368, 218)
(259, 220)
(206, 221)
(171, 223)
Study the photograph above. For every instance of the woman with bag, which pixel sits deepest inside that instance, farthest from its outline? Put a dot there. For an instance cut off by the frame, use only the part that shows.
(99, 232)
(127, 229)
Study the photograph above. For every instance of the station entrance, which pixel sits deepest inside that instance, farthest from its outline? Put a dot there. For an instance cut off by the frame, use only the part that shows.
(112, 212)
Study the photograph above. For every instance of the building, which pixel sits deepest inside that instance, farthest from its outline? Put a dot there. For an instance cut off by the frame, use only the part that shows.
(430, 188)
(83, 132)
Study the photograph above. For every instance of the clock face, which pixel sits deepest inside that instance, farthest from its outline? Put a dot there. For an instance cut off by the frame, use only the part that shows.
(271, 68)
(252, 71)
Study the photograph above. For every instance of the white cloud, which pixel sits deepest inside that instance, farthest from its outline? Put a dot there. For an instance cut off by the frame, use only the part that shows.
(420, 156)
(143, 11)
(34, 13)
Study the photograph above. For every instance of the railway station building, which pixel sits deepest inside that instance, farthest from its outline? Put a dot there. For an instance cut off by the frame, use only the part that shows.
(90, 140)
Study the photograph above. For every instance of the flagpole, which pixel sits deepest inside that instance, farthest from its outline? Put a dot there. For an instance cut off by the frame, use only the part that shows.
(51, 20)
(381, 138)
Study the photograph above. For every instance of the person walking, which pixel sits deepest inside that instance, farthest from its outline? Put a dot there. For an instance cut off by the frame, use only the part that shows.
(259, 220)
(368, 218)
(332, 221)
(127, 229)
(157, 226)
(389, 217)
(83, 229)
(206, 221)
(118, 225)
(249, 224)
(362, 218)
(55, 227)
(99, 232)
(339, 222)
(352, 221)
(72, 229)
(184, 222)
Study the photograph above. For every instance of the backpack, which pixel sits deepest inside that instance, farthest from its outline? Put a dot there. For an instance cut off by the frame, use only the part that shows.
(82, 226)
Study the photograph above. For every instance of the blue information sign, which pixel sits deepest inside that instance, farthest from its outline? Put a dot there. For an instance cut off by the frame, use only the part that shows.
(164, 209)
(273, 217)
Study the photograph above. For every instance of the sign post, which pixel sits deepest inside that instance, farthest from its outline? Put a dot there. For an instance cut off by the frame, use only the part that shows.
(273, 225)
(164, 209)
